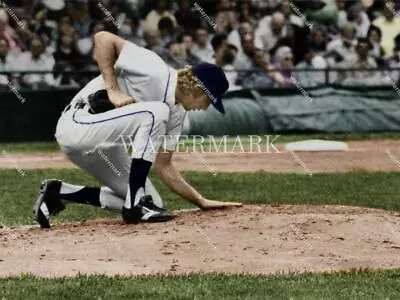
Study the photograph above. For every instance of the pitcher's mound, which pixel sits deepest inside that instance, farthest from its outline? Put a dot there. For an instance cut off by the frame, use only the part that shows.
(252, 239)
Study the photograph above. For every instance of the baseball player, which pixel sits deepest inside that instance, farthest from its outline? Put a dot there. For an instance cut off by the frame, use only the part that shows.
(148, 101)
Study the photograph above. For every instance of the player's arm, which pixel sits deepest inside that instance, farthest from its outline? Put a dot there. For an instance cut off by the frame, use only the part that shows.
(107, 47)
(166, 170)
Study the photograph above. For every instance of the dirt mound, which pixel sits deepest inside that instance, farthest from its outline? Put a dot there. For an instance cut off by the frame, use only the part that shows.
(252, 239)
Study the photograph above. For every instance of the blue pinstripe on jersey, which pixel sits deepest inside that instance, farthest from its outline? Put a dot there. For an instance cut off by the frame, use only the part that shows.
(129, 114)
(166, 89)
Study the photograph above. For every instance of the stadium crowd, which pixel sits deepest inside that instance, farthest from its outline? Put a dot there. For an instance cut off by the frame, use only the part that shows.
(259, 43)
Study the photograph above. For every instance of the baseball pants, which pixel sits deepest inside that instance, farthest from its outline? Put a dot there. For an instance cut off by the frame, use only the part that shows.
(94, 143)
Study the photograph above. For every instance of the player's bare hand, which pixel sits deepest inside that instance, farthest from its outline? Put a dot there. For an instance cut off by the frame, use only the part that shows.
(119, 98)
(212, 204)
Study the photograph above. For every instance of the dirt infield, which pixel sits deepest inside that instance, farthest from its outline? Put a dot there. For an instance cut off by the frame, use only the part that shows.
(366, 155)
(252, 239)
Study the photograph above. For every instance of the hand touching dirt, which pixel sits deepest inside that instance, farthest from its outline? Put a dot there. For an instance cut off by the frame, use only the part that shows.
(212, 204)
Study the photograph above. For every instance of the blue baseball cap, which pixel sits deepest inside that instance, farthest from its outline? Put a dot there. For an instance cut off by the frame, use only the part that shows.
(213, 82)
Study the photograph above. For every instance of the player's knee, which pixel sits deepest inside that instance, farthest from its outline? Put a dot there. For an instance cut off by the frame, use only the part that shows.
(161, 113)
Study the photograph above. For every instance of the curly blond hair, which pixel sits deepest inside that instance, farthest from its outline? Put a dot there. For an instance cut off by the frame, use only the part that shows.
(187, 82)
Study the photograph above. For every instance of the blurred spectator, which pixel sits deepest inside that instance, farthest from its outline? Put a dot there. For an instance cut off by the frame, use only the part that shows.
(202, 48)
(318, 41)
(24, 35)
(8, 32)
(389, 24)
(311, 61)
(394, 62)
(176, 55)
(67, 52)
(224, 58)
(233, 49)
(235, 36)
(7, 61)
(135, 5)
(81, 18)
(54, 7)
(267, 25)
(62, 78)
(284, 63)
(42, 28)
(264, 7)
(342, 20)
(361, 60)
(359, 20)
(131, 29)
(354, 16)
(151, 22)
(285, 7)
(259, 78)
(24, 9)
(153, 42)
(219, 41)
(65, 26)
(271, 29)
(36, 60)
(265, 76)
(114, 19)
(85, 46)
(187, 40)
(244, 58)
(344, 46)
(321, 11)
(375, 35)
(166, 29)
(247, 12)
(226, 18)
(186, 17)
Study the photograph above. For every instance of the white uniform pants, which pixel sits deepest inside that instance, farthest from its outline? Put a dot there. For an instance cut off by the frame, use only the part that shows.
(94, 142)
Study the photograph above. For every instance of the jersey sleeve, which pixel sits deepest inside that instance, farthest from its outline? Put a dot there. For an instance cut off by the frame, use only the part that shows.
(138, 61)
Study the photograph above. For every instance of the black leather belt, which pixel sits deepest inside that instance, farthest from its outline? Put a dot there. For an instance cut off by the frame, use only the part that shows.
(77, 105)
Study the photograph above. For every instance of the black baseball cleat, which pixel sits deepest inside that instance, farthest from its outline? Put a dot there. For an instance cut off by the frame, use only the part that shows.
(146, 211)
(48, 203)
(132, 215)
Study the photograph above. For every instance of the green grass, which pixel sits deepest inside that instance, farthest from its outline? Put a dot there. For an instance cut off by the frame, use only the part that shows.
(350, 285)
(230, 141)
(381, 190)
(378, 189)
(29, 147)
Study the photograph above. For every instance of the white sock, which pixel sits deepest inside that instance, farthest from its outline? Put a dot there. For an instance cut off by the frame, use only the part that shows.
(110, 201)
(67, 188)
(139, 194)
(151, 190)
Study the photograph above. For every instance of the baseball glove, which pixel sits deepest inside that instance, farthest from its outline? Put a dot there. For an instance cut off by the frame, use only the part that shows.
(99, 102)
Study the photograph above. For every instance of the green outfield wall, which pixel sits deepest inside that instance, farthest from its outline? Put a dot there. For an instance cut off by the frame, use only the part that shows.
(32, 115)
(326, 110)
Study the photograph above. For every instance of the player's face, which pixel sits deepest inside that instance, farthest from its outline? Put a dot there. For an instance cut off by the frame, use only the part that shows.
(197, 101)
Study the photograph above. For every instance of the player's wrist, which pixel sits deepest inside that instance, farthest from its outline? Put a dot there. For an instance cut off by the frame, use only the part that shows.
(112, 88)
(201, 202)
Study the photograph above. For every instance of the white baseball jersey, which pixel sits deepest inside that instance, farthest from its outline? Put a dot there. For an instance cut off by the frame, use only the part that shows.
(143, 75)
